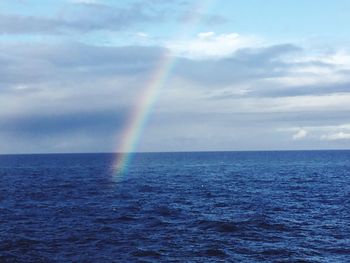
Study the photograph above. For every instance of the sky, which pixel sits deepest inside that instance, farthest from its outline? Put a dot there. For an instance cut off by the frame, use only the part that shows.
(230, 75)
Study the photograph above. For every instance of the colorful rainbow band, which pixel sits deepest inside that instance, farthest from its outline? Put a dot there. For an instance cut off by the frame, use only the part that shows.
(139, 116)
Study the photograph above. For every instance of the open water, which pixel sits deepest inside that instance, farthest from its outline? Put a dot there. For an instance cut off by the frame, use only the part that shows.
(176, 207)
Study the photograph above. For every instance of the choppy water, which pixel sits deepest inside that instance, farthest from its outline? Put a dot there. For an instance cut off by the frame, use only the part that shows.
(176, 207)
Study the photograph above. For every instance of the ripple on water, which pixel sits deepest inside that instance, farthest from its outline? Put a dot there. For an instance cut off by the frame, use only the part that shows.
(176, 207)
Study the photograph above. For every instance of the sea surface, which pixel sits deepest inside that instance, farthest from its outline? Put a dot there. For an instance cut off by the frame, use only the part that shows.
(176, 207)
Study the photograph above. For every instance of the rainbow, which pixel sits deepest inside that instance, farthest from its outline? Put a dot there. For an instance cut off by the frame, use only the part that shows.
(140, 114)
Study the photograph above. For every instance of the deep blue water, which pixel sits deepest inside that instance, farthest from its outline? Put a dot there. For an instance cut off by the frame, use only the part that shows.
(176, 207)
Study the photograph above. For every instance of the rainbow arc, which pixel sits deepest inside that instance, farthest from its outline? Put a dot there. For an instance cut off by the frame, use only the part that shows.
(140, 114)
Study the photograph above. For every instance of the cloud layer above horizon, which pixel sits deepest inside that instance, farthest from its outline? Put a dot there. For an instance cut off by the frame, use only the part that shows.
(72, 72)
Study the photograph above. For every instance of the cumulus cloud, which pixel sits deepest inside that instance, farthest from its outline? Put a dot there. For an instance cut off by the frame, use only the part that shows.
(52, 93)
(71, 78)
(329, 133)
(210, 44)
(301, 134)
(266, 71)
(336, 136)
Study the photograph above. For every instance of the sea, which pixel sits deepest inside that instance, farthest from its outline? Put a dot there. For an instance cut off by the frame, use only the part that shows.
(283, 206)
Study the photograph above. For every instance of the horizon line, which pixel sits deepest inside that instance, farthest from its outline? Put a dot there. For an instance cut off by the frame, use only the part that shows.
(193, 151)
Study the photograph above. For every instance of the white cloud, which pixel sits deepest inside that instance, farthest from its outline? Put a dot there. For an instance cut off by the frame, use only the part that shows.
(323, 68)
(142, 34)
(323, 133)
(210, 44)
(341, 58)
(333, 102)
(206, 35)
(301, 134)
(307, 76)
(336, 136)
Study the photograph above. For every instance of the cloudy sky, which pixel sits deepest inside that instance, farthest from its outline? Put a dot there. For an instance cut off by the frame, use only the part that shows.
(244, 75)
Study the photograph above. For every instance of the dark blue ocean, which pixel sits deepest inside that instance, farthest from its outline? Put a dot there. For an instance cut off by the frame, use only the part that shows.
(176, 207)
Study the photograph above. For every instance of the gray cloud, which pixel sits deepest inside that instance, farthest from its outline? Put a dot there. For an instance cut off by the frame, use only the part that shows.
(64, 96)
(84, 17)
(316, 89)
(100, 16)
(245, 64)
(30, 64)
(65, 123)
(89, 16)
(52, 93)
(82, 94)
(18, 24)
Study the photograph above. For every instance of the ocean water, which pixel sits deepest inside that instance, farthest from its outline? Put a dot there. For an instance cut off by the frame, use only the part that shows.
(176, 207)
